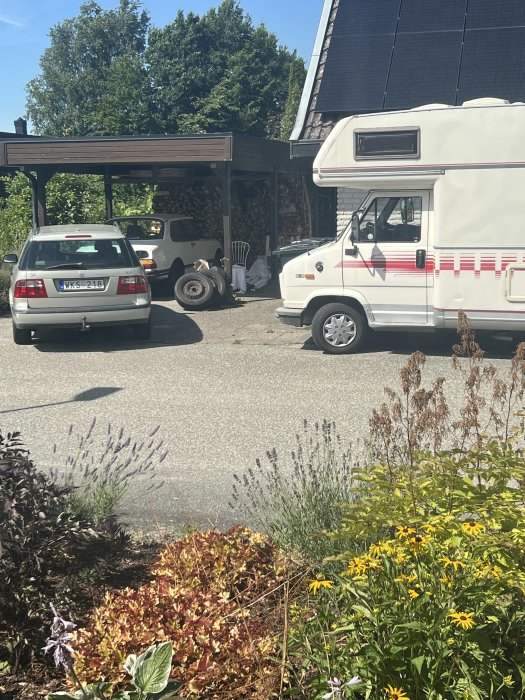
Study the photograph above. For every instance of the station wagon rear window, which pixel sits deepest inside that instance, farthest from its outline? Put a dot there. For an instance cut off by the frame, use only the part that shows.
(82, 254)
(386, 144)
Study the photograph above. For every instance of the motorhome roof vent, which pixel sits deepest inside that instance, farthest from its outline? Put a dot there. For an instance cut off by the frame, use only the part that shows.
(435, 105)
(485, 101)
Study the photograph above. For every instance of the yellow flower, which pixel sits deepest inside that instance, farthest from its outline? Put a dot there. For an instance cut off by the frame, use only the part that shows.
(412, 593)
(446, 580)
(418, 542)
(473, 527)
(319, 582)
(429, 527)
(462, 619)
(403, 531)
(362, 565)
(493, 571)
(508, 681)
(395, 693)
(455, 563)
(406, 579)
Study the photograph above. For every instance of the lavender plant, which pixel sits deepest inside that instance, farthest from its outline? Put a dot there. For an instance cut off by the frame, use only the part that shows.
(297, 504)
(101, 467)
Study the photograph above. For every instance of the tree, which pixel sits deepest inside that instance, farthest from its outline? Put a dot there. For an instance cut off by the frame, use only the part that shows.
(295, 91)
(94, 80)
(217, 72)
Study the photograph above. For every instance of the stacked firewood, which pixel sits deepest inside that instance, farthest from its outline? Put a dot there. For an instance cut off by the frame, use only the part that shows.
(252, 209)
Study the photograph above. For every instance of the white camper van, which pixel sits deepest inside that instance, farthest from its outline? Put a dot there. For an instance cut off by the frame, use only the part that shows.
(441, 229)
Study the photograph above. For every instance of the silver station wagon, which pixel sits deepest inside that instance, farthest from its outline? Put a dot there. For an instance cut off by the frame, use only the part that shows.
(78, 276)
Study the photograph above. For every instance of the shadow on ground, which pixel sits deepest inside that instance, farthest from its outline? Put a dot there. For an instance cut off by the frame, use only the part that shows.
(438, 344)
(168, 328)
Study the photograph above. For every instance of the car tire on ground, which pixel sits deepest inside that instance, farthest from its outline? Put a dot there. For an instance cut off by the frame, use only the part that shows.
(219, 281)
(339, 329)
(194, 291)
(142, 332)
(21, 336)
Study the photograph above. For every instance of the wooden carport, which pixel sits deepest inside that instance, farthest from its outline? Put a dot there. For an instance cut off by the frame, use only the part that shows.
(150, 159)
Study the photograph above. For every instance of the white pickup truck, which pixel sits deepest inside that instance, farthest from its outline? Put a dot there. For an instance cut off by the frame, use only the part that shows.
(167, 244)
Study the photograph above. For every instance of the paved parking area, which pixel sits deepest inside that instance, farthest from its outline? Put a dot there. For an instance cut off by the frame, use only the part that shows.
(224, 386)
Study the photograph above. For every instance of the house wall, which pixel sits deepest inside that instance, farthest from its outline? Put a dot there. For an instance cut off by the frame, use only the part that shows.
(347, 202)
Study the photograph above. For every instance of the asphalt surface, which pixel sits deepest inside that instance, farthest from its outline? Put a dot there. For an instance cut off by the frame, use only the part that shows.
(224, 386)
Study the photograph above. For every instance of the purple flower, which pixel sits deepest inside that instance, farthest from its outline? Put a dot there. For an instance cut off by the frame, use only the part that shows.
(59, 641)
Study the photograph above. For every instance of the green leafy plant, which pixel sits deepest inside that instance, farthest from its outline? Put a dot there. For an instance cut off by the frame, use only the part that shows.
(150, 675)
(431, 605)
(5, 283)
(296, 504)
(102, 466)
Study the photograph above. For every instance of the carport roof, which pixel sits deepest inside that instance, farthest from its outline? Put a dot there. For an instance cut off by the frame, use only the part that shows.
(123, 154)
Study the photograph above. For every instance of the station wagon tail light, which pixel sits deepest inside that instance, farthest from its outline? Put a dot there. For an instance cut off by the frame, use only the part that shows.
(148, 263)
(30, 289)
(132, 284)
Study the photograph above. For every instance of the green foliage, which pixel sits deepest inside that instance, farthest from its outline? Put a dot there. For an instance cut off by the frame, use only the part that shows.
(5, 283)
(104, 467)
(295, 90)
(41, 548)
(150, 674)
(436, 611)
(71, 199)
(295, 505)
(431, 605)
(215, 597)
(93, 78)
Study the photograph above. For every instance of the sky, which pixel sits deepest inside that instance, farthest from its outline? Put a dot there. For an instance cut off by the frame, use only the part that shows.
(25, 24)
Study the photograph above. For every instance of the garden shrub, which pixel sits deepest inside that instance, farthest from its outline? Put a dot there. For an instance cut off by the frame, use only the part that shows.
(433, 606)
(105, 467)
(42, 549)
(216, 597)
(296, 504)
(5, 283)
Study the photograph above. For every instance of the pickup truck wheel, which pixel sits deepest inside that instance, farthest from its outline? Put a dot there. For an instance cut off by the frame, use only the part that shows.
(194, 290)
(339, 329)
(21, 336)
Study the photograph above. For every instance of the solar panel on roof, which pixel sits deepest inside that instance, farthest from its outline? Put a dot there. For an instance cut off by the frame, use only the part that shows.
(355, 74)
(483, 14)
(424, 69)
(493, 65)
(432, 16)
(366, 17)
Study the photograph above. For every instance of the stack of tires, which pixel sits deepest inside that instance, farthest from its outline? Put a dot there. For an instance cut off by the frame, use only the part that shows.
(195, 291)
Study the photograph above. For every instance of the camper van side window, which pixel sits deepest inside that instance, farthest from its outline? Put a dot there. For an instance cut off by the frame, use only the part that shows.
(392, 219)
(384, 145)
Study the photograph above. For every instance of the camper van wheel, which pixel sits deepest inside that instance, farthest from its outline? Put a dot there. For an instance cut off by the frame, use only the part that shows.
(338, 329)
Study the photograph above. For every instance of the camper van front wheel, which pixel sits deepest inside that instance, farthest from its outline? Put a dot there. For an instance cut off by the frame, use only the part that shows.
(339, 329)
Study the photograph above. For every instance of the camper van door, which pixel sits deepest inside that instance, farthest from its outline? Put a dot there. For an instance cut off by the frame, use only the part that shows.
(390, 268)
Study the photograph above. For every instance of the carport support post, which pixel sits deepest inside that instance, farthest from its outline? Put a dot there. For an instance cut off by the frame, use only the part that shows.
(275, 223)
(227, 216)
(42, 178)
(108, 195)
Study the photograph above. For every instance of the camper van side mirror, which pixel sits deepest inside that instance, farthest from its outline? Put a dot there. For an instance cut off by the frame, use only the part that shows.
(407, 210)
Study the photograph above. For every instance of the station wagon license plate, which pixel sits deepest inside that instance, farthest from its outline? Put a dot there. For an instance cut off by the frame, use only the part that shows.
(80, 285)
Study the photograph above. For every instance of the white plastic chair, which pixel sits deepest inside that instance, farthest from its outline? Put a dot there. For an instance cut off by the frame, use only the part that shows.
(240, 250)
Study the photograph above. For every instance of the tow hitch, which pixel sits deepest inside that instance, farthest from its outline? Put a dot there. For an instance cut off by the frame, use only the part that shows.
(85, 325)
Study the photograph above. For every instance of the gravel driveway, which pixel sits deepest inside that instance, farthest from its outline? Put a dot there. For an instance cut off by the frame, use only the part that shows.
(224, 386)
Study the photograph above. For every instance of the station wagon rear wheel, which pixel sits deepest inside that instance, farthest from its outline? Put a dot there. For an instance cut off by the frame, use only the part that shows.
(339, 329)
(21, 336)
